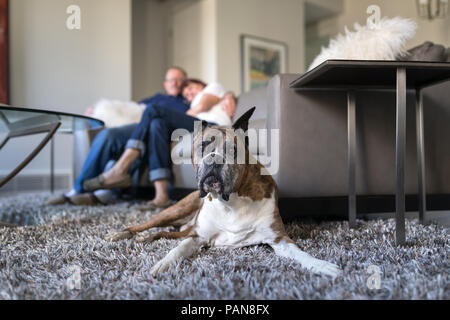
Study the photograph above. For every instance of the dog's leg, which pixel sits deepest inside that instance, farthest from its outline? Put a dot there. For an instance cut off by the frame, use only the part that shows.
(175, 215)
(163, 234)
(186, 248)
(168, 217)
(289, 249)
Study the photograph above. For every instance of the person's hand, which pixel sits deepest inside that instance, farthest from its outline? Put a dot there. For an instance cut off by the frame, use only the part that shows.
(192, 112)
(228, 104)
(89, 111)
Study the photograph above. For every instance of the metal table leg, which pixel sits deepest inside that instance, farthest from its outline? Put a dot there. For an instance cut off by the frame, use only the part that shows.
(52, 165)
(351, 143)
(50, 129)
(400, 157)
(420, 156)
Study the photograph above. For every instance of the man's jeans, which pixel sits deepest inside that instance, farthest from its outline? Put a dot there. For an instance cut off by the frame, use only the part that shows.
(109, 144)
(151, 137)
(155, 130)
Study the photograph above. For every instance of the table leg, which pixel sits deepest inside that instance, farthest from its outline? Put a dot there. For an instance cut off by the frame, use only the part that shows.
(49, 128)
(52, 165)
(400, 157)
(420, 156)
(351, 143)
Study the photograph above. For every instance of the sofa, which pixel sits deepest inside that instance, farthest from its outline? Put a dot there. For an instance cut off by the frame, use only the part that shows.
(183, 174)
(312, 126)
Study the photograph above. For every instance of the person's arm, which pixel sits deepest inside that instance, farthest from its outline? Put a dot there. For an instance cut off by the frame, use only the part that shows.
(206, 103)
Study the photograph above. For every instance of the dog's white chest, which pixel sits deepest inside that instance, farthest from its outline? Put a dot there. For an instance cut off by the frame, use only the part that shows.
(236, 223)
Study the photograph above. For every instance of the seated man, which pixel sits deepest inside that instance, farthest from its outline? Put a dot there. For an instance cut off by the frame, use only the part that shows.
(208, 102)
(110, 143)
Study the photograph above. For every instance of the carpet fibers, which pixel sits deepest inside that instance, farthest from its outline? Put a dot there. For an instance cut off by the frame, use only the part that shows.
(60, 253)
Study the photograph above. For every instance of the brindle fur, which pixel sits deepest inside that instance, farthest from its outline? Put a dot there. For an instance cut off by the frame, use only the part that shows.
(177, 215)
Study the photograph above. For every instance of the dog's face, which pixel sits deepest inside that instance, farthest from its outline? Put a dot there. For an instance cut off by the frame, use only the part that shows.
(219, 156)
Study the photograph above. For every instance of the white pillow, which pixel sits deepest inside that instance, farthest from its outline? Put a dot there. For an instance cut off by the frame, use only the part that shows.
(115, 113)
(384, 40)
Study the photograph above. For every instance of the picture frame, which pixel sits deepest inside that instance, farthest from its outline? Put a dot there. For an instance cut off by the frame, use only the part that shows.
(261, 59)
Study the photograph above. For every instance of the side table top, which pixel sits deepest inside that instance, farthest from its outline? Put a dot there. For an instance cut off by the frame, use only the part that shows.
(373, 74)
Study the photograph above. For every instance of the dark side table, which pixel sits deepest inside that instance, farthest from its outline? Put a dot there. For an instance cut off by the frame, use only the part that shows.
(357, 75)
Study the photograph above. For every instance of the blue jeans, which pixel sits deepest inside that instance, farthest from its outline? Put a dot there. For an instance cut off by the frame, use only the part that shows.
(154, 130)
(151, 137)
(108, 145)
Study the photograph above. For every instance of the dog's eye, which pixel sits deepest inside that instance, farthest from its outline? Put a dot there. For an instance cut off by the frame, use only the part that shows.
(205, 143)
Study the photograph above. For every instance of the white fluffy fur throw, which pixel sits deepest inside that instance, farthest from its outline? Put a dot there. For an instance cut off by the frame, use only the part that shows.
(116, 113)
(384, 40)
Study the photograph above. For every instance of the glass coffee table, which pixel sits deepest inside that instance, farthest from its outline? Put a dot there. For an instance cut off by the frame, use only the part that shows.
(18, 122)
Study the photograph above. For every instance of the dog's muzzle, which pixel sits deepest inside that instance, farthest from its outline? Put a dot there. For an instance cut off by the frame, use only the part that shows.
(212, 181)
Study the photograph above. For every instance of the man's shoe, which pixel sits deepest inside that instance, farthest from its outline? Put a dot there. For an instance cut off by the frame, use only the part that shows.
(84, 199)
(56, 200)
(98, 183)
(150, 206)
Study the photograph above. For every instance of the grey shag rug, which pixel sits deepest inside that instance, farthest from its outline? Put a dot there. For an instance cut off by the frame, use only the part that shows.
(44, 259)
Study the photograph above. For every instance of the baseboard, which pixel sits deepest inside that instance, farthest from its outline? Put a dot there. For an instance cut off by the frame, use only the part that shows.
(290, 208)
(332, 208)
(337, 207)
(36, 182)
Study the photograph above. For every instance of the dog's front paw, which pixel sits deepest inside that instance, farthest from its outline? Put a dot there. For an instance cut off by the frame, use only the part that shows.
(325, 267)
(145, 237)
(116, 236)
(162, 266)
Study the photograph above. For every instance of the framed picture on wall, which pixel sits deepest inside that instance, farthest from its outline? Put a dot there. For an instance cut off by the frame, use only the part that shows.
(261, 59)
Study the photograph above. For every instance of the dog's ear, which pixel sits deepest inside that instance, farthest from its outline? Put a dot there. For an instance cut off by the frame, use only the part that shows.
(242, 122)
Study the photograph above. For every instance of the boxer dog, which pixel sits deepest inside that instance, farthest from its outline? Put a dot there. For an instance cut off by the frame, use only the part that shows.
(236, 205)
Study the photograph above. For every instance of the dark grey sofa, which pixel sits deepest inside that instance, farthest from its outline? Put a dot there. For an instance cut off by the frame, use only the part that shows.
(313, 141)
(313, 135)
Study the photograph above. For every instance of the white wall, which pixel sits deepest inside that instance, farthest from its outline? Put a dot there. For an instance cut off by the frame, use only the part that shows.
(437, 30)
(272, 19)
(206, 35)
(321, 9)
(194, 38)
(54, 68)
(150, 28)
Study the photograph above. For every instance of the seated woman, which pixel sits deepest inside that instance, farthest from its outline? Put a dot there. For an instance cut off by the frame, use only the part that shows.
(154, 131)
